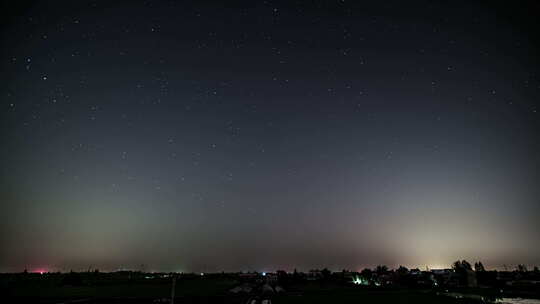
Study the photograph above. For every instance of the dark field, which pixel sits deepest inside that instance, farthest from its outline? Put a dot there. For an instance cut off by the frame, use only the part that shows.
(58, 289)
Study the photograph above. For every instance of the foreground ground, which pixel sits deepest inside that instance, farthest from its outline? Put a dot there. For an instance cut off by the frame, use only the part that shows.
(205, 290)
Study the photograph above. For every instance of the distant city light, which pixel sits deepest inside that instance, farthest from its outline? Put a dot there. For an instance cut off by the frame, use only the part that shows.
(360, 281)
(40, 271)
(202, 273)
(264, 274)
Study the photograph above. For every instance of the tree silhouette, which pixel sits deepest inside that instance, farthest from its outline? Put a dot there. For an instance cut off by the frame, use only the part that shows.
(521, 268)
(402, 270)
(381, 269)
(461, 265)
(326, 273)
(478, 266)
(462, 269)
(366, 272)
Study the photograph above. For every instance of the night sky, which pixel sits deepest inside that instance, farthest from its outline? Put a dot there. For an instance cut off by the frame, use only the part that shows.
(262, 135)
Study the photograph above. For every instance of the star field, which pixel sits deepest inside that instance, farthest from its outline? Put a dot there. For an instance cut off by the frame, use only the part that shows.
(265, 135)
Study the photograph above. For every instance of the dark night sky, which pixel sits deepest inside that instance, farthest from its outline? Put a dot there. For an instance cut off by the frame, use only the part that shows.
(264, 135)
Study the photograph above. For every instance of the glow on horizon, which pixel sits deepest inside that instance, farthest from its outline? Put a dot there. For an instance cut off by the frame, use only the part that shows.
(40, 270)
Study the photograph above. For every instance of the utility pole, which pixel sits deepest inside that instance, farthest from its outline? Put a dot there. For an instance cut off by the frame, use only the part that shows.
(173, 288)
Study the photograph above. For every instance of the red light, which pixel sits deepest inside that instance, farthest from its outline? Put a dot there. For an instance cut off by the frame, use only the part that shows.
(40, 271)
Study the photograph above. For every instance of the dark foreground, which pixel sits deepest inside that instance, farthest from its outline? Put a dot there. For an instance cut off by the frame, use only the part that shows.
(159, 294)
(62, 288)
